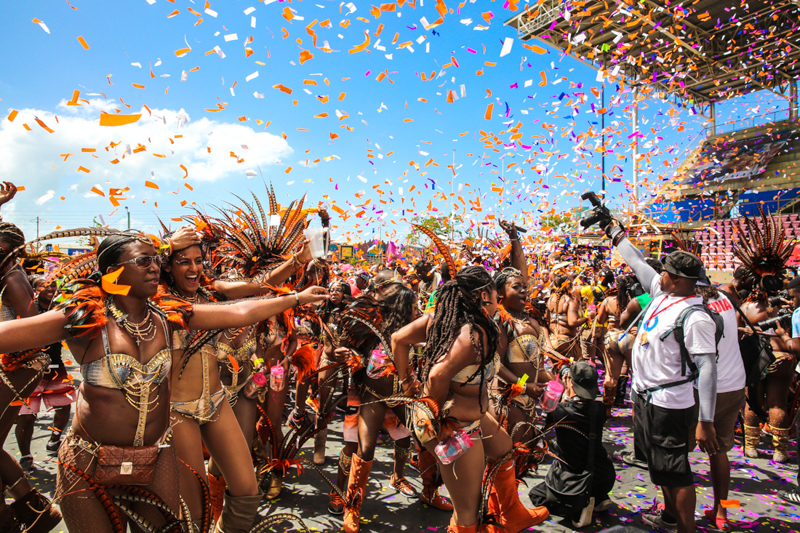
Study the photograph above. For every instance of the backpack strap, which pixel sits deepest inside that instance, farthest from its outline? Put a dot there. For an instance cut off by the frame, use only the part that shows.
(680, 337)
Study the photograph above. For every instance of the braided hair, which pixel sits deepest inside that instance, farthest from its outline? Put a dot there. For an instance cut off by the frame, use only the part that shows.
(459, 303)
(397, 306)
(11, 234)
(624, 284)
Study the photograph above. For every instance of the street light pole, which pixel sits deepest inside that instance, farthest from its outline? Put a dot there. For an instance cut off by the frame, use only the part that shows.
(129, 216)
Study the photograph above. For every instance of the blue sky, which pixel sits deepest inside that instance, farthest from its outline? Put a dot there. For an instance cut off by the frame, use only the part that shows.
(385, 125)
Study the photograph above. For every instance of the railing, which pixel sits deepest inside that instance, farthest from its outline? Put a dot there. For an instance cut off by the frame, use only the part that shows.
(751, 122)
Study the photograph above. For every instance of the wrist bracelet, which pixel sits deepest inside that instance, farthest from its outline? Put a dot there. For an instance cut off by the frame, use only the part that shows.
(296, 298)
(295, 261)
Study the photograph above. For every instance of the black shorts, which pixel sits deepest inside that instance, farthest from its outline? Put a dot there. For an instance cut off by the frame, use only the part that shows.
(661, 437)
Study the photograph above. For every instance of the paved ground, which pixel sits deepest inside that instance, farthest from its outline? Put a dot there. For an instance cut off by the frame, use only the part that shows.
(754, 483)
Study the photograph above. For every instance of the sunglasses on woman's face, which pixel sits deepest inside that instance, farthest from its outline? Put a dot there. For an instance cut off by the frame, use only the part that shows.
(337, 289)
(144, 261)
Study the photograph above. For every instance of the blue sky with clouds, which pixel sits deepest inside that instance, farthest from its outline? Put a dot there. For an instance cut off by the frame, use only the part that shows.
(353, 121)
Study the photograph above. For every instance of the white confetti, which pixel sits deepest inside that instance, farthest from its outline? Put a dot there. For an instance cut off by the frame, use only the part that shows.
(137, 64)
(210, 12)
(219, 52)
(506, 46)
(231, 37)
(44, 27)
(252, 76)
(42, 199)
(249, 10)
(258, 95)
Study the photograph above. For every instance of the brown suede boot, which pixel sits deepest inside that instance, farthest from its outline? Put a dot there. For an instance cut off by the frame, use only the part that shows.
(216, 490)
(239, 513)
(780, 441)
(356, 492)
(752, 438)
(36, 513)
(428, 471)
(504, 503)
(609, 395)
(8, 521)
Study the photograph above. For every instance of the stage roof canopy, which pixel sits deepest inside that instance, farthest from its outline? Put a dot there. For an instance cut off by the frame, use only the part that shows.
(692, 52)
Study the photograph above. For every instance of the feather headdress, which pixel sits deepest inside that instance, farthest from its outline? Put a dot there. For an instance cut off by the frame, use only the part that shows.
(687, 245)
(762, 245)
(248, 239)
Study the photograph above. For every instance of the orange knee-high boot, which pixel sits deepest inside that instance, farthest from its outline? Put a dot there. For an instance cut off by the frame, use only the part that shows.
(452, 528)
(428, 471)
(356, 492)
(505, 505)
(216, 489)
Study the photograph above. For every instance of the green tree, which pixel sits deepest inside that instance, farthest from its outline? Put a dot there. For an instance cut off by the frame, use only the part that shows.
(560, 222)
(443, 227)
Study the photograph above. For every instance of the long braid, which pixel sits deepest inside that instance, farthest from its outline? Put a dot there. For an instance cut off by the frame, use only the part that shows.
(459, 303)
(562, 288)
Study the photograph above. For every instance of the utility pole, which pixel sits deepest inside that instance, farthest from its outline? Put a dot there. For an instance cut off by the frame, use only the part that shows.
(129, 216)
(37, 227)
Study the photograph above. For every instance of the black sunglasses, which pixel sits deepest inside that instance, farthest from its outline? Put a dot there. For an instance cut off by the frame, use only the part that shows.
(144, 261)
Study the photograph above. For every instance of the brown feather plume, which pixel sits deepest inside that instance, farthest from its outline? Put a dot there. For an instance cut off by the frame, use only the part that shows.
(442, 247)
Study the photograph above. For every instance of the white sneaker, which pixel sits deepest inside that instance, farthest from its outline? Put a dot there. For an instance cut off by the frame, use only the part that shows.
(586, 515)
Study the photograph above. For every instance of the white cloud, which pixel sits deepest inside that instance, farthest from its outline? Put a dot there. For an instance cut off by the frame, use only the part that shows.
(34, 158)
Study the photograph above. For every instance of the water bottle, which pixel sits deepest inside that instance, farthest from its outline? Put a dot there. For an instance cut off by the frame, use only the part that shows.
(552, 395)
(255, 385)
(455, 446)
(276, 378)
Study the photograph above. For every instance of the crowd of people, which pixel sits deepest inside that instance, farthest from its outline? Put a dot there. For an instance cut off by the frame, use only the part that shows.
(210, 355)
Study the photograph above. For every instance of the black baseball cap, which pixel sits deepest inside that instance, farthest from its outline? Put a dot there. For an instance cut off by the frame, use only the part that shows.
(683, 264)
(584, 380)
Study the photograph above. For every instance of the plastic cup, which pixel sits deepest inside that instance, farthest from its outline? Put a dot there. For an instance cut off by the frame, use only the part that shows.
(316, 241)
(551, 396)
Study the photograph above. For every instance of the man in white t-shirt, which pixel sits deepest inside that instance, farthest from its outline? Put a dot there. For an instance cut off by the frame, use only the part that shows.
(731, 379)
(663, 398)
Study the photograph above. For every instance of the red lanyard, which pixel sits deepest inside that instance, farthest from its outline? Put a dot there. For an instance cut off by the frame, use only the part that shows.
(657, 312)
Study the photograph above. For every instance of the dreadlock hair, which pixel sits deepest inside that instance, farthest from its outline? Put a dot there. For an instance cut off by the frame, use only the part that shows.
(502, 277)
(459, 303)
(11, 234)
(624, 283)
(397, 306)
(708, 292)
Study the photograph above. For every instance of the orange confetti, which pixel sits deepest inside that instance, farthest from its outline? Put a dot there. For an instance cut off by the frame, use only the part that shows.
(138, 86)
(44, 126)
(12, 115)
(282, 88)
(544, 79)
(107, 119)
(83, 43)
(488, 114)
(182, 52)
(97, 191)
(150, 184)
(535, 49)
(83, 169)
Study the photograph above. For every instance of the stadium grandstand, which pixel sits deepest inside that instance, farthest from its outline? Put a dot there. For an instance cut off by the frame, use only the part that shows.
(695, 54)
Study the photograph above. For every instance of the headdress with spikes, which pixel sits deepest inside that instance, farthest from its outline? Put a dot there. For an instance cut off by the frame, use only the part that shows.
(249, 242)
(687, 245)
(763, 250)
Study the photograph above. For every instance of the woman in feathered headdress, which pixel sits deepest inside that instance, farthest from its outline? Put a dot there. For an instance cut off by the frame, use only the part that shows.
(197, 395)
(122, 339)
(763, 250)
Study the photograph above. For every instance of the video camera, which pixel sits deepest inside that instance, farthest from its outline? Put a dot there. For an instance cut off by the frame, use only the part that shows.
(598, 213)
